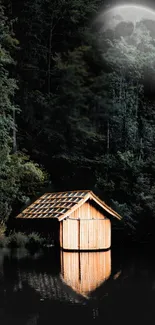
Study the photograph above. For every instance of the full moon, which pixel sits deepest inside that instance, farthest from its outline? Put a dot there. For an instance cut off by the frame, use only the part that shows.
(129, 30)
(132, 14)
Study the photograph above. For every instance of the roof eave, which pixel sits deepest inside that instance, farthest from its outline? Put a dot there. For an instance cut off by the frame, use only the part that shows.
(104, 206)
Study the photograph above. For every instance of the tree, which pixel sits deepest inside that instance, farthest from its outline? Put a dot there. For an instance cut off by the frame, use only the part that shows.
(13, 167)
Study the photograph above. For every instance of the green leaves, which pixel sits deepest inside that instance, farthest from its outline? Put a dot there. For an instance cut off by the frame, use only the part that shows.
(20, 180)
(19, 177)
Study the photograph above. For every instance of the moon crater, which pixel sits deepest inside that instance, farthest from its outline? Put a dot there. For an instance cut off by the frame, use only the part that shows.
(129, 29)
(124, 21)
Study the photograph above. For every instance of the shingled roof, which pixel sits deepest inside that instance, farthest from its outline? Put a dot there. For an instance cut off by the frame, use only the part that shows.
(61, 204)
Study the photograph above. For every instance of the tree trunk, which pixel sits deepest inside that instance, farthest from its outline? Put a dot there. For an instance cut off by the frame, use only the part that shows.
(14, 142)
(108, 137)
(49, 59)
(125, 118)
(136, 118)
(141, 149)
(14, 132)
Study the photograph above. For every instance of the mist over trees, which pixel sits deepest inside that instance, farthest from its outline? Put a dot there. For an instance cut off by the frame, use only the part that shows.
(77, 105)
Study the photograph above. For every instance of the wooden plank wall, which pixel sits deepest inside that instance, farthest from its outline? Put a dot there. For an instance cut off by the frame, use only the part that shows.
(70, 234)
(84, 272)
(85, 229)
(87, 211)
(95, 234)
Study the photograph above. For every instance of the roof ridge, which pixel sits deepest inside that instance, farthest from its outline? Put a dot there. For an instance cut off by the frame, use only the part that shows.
(70, 191)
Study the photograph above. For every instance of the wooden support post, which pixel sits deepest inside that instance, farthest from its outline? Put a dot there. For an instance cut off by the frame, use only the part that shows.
(62, 234)
(79, 234)
(79, 267)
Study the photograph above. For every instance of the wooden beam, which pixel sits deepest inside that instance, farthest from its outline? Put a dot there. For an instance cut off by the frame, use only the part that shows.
(79, 234)
(62, 234)
(104, 206)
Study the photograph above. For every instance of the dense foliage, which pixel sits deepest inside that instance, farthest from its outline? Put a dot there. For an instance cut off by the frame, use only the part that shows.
(20, 178)
(86, 110)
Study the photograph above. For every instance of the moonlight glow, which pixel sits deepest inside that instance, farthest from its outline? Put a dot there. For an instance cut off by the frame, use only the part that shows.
(127, 13)
(130, 31)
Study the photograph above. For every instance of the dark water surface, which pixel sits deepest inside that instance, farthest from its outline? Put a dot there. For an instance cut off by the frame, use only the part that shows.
(49, 287)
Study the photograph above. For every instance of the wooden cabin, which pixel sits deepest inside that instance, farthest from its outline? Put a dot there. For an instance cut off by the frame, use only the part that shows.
(83, 219)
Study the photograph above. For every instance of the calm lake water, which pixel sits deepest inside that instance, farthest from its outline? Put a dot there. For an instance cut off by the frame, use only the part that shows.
(47, 287)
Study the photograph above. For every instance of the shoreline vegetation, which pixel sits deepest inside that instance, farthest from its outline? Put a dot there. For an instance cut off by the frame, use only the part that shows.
(18, 239)
(34, 241)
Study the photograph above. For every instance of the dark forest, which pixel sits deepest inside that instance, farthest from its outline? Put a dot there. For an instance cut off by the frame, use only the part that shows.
(75, 113)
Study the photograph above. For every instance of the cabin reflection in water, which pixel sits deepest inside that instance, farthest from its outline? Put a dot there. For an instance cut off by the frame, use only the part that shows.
(81, 273)
(84, 272)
